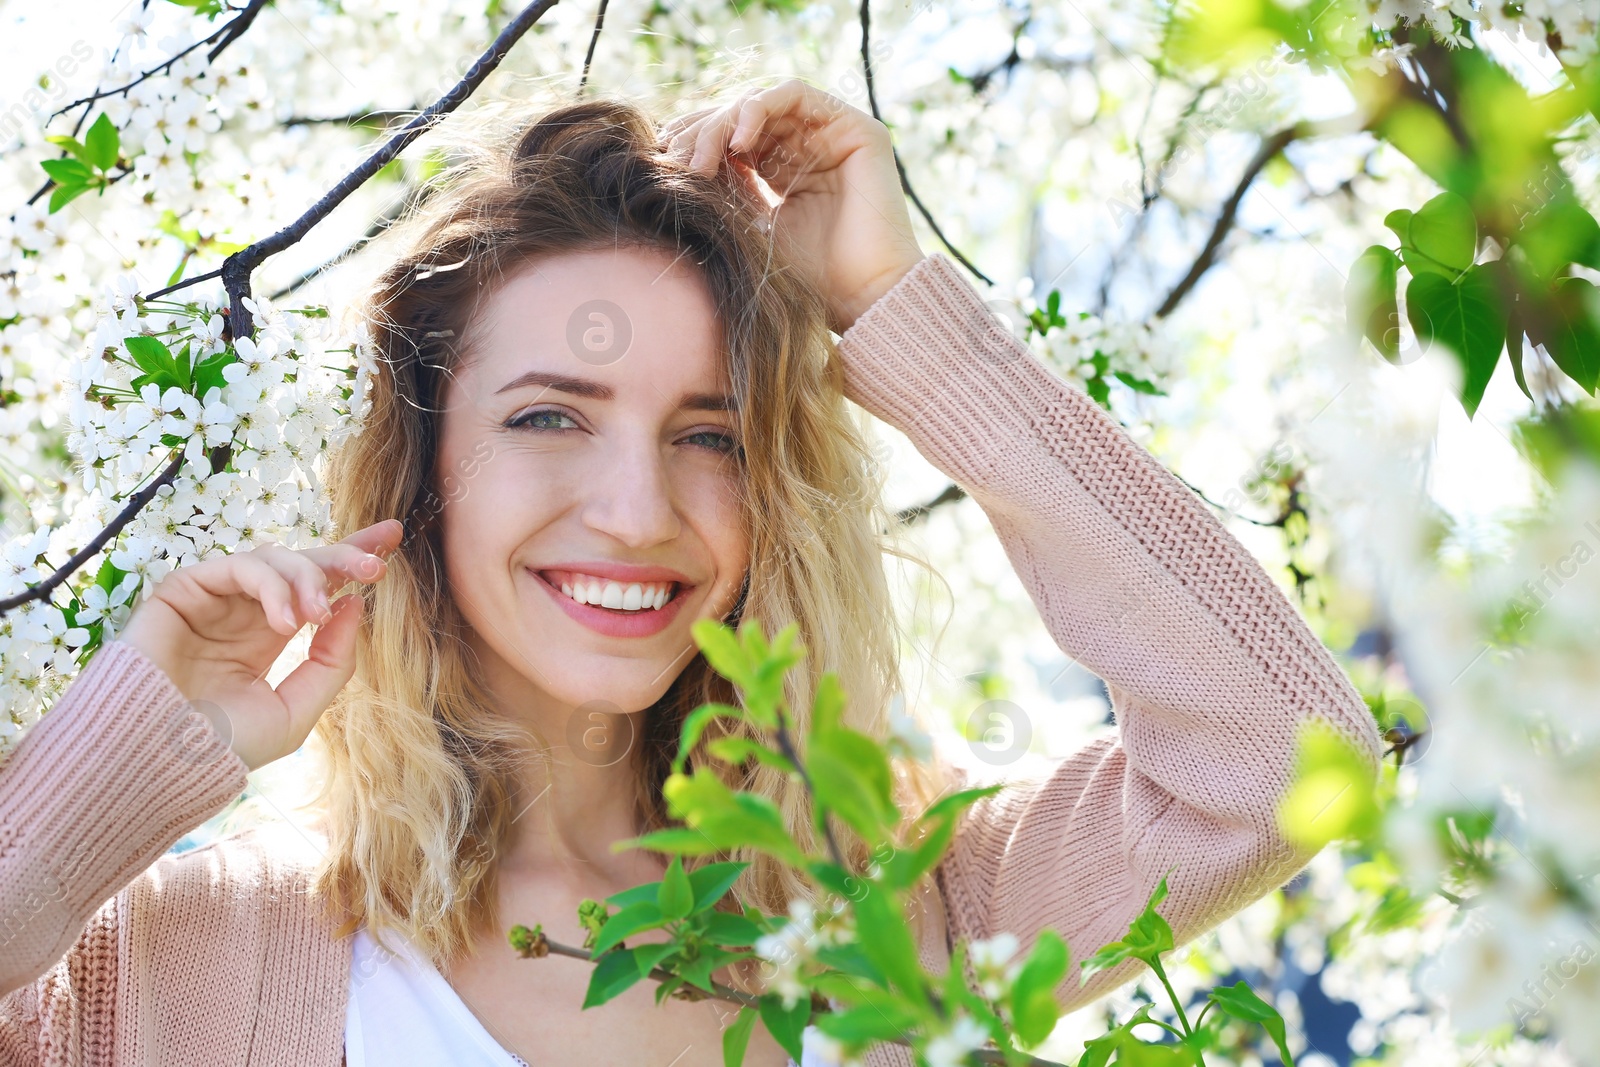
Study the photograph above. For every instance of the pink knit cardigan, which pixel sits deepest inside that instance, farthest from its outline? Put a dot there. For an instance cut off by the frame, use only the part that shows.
(113, 951)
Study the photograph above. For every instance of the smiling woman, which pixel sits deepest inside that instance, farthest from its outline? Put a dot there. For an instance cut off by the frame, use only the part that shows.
(665, 441)
(609, 407)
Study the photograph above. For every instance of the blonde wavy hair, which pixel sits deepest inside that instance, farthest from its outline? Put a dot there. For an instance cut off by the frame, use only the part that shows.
(421, 774)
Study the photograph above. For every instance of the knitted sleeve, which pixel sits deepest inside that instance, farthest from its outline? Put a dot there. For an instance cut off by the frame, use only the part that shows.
(118, 770)
(1209, 667)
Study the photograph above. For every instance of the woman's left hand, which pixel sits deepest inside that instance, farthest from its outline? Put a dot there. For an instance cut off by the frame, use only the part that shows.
(843, 216)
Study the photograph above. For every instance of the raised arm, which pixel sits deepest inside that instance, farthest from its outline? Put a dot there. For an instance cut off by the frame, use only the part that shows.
(1210, 668)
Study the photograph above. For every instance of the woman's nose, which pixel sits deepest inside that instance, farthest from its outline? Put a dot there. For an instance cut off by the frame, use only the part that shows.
(630, 497)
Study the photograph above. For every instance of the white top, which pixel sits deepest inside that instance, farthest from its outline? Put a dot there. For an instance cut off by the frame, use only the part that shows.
(402, 1011)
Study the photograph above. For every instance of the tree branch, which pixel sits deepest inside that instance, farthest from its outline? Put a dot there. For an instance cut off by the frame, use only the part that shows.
(918, 512)
(746, 1000)
(236, 268)
(1270, 147)
(135, 504)
(905, 180)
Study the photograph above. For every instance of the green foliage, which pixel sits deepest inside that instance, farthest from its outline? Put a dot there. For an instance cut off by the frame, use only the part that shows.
(854, 958)
(1334, 794)
(87, 165)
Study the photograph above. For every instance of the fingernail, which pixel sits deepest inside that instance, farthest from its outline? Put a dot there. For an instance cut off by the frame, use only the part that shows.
(288, 617)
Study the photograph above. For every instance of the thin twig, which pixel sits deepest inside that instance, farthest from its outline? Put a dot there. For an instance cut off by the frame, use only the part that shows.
(236, 268)
(900, 168)
(594, 39)
(196, 280)
(233, 28)
(239, 25)
(917, 512)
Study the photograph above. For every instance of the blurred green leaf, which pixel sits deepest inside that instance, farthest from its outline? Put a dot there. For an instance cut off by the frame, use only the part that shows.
(1569, 332)
(1034, 1008)
(1371, 300)
(1333, 794)
(786, 1024)
(736, 1038)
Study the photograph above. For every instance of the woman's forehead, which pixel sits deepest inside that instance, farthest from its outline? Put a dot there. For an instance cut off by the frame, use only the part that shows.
(617, 318)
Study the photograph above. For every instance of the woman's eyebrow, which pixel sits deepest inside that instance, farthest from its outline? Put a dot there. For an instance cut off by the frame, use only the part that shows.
(594, 390)
(565, 383)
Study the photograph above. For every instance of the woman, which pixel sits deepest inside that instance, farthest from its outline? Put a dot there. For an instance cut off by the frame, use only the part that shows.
(609, 406)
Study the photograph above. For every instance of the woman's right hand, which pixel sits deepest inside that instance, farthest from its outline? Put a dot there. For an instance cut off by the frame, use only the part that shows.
(216, 628)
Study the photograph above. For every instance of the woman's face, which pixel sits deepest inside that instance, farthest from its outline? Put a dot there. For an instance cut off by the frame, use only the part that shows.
(588, 466)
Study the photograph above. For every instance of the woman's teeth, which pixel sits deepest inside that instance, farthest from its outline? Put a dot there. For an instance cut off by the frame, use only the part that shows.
(633, 596)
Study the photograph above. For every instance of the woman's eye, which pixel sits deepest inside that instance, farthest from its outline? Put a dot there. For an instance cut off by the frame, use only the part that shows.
(534, 419)
(717, 442)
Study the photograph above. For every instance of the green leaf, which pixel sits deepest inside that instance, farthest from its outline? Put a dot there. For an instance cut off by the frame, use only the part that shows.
(723, 651)
(1240, 1002)
(677, 839)
(736, 750)
(884, 936)
(71, 145)
(694, 724)
(613, 975)
(650, 892)
(1149, 935)
(736, 1038)
(677, 895)
(712, 881)
(850, 776)
(63, 195)
(208, 372)
(1466, 318)
(871, 1023)
(1399, 220)
(1569, 332)
(1559, 234)
(1443, 236)
(786, 1024)
(67, 171)
(1371, 302)
(1138, 385)
(729, 819)
(627, 922)
(698, 970)
(1097, 1052)
(1107, 957)
(102, 144)
(649, 956)
(1033, 998)
(726, 928)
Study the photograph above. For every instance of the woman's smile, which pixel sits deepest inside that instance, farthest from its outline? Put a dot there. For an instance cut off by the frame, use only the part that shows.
(614, 608)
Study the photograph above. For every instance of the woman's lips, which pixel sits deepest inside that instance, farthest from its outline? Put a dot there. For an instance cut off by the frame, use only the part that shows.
(616, 623)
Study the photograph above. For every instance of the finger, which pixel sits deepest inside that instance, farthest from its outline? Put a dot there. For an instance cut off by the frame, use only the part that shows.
(790, 98)
(672, 127)
(329, 664)
(247, 574)
(305, 574)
